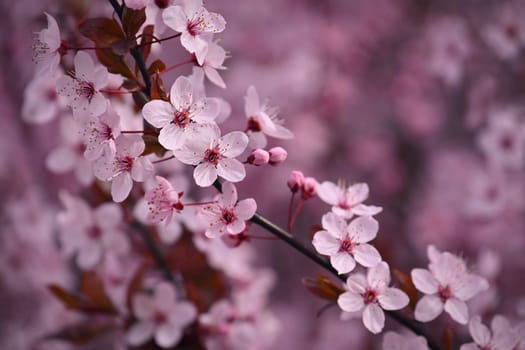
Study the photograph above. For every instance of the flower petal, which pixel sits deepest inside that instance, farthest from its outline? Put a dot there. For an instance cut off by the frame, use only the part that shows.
(479, 332)
(139, 333)
(393, 299)
(121, 187)
(245, 209)
(181, 93)
(233, 144)
(167, 335)
(325, 243)
(424, 281)
(158, 113)
(231, 170)
(342, 262)
(350, 302)
(334, 224)
(205, 174)
(374, 318)
(457, 309)
(367, 255)
(428, 308)
(363, 229)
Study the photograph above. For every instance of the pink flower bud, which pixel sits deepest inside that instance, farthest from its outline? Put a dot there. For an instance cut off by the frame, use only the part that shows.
(308, 189)
(258, 157)
(277, 155)
(295, 180)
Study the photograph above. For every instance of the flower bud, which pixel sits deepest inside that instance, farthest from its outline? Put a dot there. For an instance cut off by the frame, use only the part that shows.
(258, 157)
(308, 188)
(277, 155)
(295, 180)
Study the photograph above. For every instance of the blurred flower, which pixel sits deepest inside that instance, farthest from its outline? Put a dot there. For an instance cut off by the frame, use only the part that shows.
(347, 201)
(396, 341)
(503, 337)
(46, 48)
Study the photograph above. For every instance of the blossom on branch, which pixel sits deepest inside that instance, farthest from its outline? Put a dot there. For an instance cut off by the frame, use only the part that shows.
(46, 47)
(347, 201)
(502, 337)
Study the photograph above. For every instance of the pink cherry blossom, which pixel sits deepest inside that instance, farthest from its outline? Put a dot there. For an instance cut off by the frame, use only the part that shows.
(258, 157)
(396, 341)
(163, 200)
(347, 201)
(347, 243)
(46, 48)
(447, 285)
(193, 21)
(89, 233)
(41, 101)
(100, 134)
(502, 337)
(295, 181)
(160, 316)
(176, 119)
(262, 120)
(82, 87)
(371, 295)
(506, 35)
(212, 62)
(154, 11)
(124, 166)
(227, 215)
(277, 155)
(213, 155)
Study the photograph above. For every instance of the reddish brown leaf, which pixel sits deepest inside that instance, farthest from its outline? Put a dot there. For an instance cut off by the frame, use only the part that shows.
(145, 41)
(93, 287)
(448, 338)
(323, 287)
(70, 301)
(158, 91)
(156, 67)
(406, 284)
(115, 63)
(132, 20)
(82, 332)
(103, 31)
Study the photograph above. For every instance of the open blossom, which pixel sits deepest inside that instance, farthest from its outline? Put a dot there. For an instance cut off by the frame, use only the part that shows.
(193, 21)
(176, 119)
(90, 232)
(163, 200)
(447, 285)
(503, 336)
(46, 47)
(213, 155)
(100, 134)
(160, 316)
(346, 244)
(262, 121)
(82, 87)
(396, 341)
(371, 294)
(506, 36)
(212, 62)
(226, 216)
(347, 201)
(41, 101)
(124, 167)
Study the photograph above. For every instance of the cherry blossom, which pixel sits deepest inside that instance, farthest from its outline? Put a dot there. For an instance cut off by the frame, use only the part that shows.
(154, 10)
(262, 121)
(447, 285)
(124, 167)
(46, 48)
(227, 215)
(160, 316)
(163, 201)
(41, 101)
(193, 21)
(212, 62)
(213, 155)
(346, 244)
(176, 119)
(503, 141)
(503, 336)
(89, 233)
(506, 35)
(370, 295)
(100, 134)
(258, 157)
(82, 87)
(347, 201)
(396, 341)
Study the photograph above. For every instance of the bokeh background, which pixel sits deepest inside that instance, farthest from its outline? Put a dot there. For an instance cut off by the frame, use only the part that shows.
(421, 99)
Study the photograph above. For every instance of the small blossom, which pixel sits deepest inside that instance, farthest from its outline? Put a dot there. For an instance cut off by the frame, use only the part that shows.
(46, 48)
(447, 285)
(41, 101)
(100, 134)
(124, 167)
(258, 157)
(277, 155)
(503, 337)
(176, 119)
(347, 201)
(346, 244)
(309, 188)
(81, 87)
(193, 21)
(163, 201)
(262, 120)
(226, 215)
(506, 36)
(371, 294)
(213, 155)
(295, 181)
(160, 316)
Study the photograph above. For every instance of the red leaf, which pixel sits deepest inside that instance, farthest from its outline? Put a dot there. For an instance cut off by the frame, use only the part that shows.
(81, 333)
(323, 287)
(158, 91)
(132, 20)
(102, 31)
(93, 287)
(156, 67)
(145, 41)
(69, 300)
(115, 63)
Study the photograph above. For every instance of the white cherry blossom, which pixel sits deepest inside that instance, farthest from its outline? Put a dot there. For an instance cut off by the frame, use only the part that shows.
(502, 337)
(46, 47)
(193, 21)
(226, 215)
(371, 294)
(178, 118)
(347, 243)
(262, 121)
(213, 155)
(447, 285)
(347, 201)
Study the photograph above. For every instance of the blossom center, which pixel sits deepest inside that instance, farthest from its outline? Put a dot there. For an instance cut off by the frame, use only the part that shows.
(181, 118)
(511, 31)
(444, 293)
(125, 163)
(228, 216)
(370, 296)
(507, 142)
(86, 89)
(194, 27)
(346, 246)
(159, 317)
(253, 124)
(94, 232)
(212, 156)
